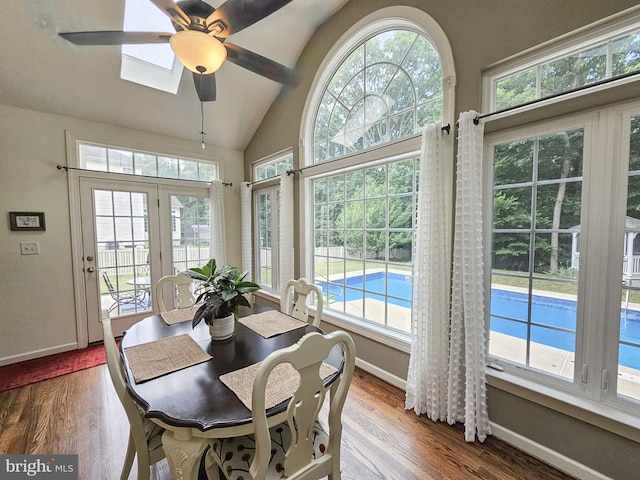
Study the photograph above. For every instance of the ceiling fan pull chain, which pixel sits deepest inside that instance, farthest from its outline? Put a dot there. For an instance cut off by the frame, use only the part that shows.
(202, 134)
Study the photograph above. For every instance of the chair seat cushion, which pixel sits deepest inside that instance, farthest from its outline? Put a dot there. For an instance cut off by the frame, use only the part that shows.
(234, 455)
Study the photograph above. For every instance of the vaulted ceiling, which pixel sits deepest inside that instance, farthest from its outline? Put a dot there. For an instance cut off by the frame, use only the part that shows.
(41, 71)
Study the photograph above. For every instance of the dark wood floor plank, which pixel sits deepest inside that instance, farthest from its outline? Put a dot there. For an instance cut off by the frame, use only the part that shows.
(80, 413)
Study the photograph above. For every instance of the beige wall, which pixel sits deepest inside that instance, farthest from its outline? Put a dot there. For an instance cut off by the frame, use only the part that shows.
(37, 314)
(481, 32)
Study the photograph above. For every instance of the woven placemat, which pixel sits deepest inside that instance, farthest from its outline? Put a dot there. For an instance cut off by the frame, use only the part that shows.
(271, 323)
(180, 315)
(154, 359)
(282, 384)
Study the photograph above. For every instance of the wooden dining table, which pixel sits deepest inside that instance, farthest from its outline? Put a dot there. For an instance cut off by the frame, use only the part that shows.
(192, 404)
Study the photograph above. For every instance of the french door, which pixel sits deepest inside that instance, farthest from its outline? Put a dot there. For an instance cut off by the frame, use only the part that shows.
(133, 233)
(120, 239)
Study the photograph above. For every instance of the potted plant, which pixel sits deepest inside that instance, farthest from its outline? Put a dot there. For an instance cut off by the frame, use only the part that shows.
(223, 291)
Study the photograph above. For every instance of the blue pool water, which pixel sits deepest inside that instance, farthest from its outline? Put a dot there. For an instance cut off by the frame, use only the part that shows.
(546, 312)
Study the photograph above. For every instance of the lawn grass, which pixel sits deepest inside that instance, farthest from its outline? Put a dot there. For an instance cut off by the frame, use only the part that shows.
(339, 266)
(552, 285)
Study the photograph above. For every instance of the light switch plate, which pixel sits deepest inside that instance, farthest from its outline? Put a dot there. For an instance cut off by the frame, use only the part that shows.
(29, 248)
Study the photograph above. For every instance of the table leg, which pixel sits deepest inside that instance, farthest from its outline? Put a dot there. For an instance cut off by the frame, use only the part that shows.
(183, 454)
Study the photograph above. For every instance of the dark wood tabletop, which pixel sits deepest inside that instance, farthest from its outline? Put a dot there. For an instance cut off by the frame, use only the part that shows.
(195, 397)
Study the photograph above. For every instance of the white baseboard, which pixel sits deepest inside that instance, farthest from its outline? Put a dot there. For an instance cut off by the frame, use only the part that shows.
(37, 353)
(546, 454)
(520, 442)
(381, 374)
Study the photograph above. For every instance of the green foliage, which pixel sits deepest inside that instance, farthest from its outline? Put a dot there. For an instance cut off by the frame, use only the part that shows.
(387, 88)
(544, 172)
(569, 72)
(224, 291)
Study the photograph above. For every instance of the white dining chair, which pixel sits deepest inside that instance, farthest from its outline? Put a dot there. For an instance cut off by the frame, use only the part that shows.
(293, 300)
(145, 437)
(299, 448)
(182, 287)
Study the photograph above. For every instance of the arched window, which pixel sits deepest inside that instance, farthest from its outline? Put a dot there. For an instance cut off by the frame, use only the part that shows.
(384, 80)
(388, 87)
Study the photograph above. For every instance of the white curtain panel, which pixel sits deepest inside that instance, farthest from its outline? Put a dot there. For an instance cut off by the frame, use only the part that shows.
(428, 364)
(218, 243)
(467, 393)
(246, 195)
(285, 235)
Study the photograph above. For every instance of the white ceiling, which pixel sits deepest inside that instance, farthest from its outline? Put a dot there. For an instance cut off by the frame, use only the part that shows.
(41, 71)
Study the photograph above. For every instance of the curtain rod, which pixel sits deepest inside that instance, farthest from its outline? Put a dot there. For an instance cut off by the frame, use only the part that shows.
(63, 167)
(556, 95)
(446, 128)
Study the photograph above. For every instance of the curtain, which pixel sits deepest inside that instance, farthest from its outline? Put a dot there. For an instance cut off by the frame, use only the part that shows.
(246, 195)
(427, 379)
(218, 242)
(467, 393)
(285, 236)
(446, 377)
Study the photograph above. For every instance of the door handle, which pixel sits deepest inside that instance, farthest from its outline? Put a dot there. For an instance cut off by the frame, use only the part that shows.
(91, 269)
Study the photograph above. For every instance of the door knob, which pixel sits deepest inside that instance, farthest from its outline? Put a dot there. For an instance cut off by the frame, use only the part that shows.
(91, 269)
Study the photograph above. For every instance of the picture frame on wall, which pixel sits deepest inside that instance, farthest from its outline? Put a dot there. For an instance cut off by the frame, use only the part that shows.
(27, 221)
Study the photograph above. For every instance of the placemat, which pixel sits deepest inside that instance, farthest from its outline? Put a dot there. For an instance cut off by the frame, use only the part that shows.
(180, 315)
(154, 359)
(271, 323)
(283, 381)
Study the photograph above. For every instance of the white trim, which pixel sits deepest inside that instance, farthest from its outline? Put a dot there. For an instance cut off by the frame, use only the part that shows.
(73, 139)
(80, 298)
(537, 450)
(400, 342)
(383, 19)
(274, 157)
(380, 20)
(594, 413)
(38, 353)
(160, 147)
(582, 38)
(600, 263)
(390, 378)
(547, 455)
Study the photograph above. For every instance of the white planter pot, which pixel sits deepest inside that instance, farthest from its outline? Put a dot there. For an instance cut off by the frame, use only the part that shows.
(222, 328)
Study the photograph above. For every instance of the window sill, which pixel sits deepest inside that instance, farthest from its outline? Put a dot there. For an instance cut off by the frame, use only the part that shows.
(601, 415)
(397, 340)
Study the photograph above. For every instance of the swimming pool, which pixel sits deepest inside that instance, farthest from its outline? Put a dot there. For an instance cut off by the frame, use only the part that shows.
(372, 285)
(546, 311)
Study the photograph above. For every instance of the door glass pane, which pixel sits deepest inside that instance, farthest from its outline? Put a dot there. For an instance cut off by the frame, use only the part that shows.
(190, 231)
(123, 251)
(264, 240)
(536, 232)
(629, 336)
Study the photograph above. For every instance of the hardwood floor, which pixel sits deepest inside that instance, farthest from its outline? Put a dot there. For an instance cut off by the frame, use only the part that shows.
(80, 413)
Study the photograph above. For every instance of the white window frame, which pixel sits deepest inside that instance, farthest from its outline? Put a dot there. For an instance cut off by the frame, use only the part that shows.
(271, 159)
(272, 186)
(273, 190)
(401, 17)
(601, 252)
(606, 129)
(610, 28)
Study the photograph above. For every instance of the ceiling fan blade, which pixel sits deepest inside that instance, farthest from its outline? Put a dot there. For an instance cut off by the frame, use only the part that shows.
(261, 65)
(205, 86)
(115, 38)
(239, 14)
(174, 12)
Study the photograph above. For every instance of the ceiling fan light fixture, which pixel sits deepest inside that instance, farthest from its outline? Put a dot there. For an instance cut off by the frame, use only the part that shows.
(199, 52)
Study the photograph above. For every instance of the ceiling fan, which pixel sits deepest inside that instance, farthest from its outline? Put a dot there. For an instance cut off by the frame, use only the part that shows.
(200, 39)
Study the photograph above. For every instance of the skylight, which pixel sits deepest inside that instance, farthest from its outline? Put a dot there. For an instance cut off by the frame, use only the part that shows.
(153, 65)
